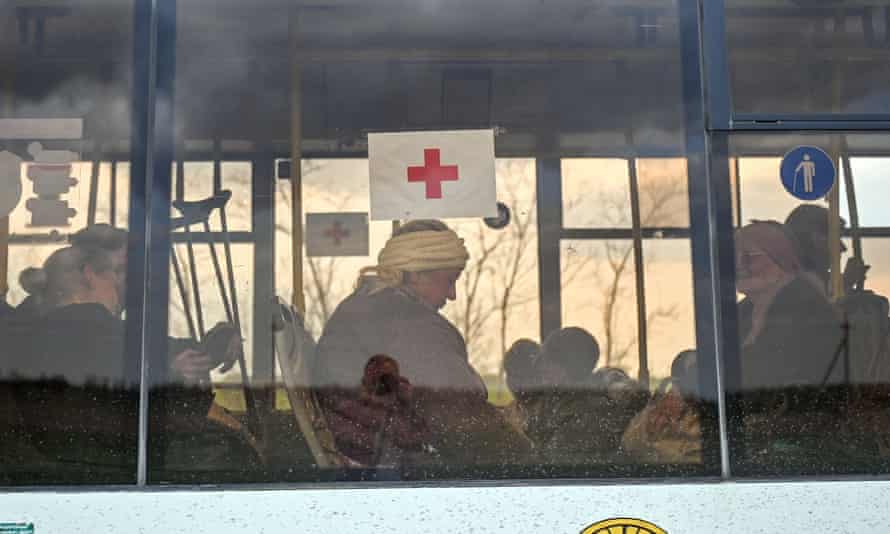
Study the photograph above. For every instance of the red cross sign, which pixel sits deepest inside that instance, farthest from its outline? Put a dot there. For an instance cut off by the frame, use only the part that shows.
(432, 173)
(404, 186)
(337, 232)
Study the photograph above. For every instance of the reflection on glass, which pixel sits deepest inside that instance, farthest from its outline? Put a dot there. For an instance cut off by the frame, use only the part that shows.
(807, 58)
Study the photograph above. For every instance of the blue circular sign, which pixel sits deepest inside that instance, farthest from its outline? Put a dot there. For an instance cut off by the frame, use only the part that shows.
(807, 172)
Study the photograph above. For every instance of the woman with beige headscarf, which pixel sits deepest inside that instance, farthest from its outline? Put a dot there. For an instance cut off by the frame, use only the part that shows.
(394, 311)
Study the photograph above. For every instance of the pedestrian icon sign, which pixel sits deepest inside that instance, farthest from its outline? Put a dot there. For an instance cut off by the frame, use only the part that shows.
(807, 172)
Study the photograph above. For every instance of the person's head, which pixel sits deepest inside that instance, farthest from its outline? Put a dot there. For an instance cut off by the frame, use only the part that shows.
(91, 270)
(381, 375)
(614, 382)
(808, 225)
(766, 258)
(424, 256)
(684, 373)
(519, 367)
(33, 281)
(568, 356)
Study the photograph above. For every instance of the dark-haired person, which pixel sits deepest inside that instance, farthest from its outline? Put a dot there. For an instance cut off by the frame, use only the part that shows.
(522, 380)
(577, 420)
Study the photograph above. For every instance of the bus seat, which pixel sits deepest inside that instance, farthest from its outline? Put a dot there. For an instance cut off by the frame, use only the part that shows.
(296, 355)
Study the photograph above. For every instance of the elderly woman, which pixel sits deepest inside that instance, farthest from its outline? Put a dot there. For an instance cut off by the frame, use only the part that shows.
(395, 312)
(792, 347)
(790, 333)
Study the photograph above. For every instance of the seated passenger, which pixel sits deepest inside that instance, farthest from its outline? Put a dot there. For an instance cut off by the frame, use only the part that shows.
(75, 388)
(807, 225)
(568, 358)
(668, 430)
(522, 380)
(395, 311)
(575, 422)
(613, 381)
(864, 312)
(792, 347)
(790, 333)
(32, 280)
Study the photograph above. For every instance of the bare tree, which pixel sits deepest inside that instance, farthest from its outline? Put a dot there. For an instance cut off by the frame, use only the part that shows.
(657, 200)
(472, 310)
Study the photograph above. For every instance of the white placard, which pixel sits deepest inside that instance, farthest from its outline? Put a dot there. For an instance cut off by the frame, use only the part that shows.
(447, 174)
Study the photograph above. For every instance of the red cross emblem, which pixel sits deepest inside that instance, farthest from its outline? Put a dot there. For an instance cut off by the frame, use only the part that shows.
(337, 233)
(432, 173)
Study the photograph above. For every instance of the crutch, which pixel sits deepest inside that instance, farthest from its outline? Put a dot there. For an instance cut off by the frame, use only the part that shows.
(195, 212)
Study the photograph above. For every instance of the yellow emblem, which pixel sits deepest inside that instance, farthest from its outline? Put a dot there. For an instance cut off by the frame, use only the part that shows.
(623, 525)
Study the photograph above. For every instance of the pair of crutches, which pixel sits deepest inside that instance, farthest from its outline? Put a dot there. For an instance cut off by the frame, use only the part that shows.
(199, 213)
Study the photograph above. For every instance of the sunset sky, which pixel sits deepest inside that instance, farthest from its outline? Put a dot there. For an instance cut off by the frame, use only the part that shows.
(595, 195)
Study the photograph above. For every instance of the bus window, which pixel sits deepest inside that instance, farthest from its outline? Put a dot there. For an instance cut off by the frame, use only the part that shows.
(326, 341)
(815, 73)
(808, 392)
(68, 387)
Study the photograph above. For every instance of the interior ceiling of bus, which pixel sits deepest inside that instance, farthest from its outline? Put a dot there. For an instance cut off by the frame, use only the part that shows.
(604, 74)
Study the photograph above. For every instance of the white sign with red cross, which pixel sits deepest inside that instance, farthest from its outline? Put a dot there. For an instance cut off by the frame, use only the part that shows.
(336, 234)
(441, 175)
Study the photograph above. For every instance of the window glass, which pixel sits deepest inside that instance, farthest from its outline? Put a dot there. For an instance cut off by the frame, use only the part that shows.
(664, 197)
(595, 193)
(807, 57)
(69, 392)
(599, 295)
(870, 179)
(807, 394)
(397, 349)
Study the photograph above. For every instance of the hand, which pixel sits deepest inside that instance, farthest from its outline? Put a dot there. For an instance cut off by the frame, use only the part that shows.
(854, 272)
(223, 344)
(233, 352)
(193, 365)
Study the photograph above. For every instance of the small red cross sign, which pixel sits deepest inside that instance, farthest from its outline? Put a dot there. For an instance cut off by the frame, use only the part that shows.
(432, 173)
(337, 233)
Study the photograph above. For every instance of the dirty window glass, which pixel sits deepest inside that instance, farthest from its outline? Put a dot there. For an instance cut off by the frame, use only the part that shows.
(325, 333)
(808, 392)
(808, 57)
(68, 391)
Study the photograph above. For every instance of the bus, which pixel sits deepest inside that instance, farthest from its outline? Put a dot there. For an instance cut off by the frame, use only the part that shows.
(611, 266)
